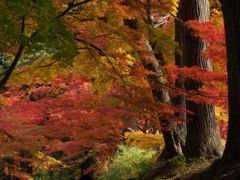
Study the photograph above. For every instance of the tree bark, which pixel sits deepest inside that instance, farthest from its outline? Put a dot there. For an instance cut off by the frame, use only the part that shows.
(231, 15)
(181, 129)
(202, 133)
(15, 61)
(161, 94)
(12, 67)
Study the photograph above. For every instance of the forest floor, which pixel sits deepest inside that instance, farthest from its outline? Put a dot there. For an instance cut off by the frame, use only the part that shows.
(198, 169)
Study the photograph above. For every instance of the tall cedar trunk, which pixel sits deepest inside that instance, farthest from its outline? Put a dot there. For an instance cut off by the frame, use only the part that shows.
(202, 134)
(231, 13)
(172, 148)
(181, 129)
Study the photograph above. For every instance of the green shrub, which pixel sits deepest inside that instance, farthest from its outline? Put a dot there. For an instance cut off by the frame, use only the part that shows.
(181, 162)
(128, 163)
(63, 174)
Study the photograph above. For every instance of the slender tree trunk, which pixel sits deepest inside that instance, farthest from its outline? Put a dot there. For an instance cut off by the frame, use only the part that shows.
(202, 134)
(15, 61)
(85, 165)
(161, 94)
(12, 67)
(231, 13)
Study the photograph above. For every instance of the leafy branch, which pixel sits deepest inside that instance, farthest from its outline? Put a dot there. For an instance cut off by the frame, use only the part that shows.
(71, 5)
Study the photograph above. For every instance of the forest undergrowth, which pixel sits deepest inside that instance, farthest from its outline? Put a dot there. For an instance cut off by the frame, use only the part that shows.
(195, 169)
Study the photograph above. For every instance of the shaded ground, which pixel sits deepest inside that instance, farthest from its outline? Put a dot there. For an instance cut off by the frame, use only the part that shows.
(198, 169)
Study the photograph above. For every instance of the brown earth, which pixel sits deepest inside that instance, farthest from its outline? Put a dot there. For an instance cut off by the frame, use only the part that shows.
(198, 169)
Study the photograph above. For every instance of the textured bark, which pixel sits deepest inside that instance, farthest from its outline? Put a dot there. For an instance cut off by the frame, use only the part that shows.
(180, 132)
(202, 134)
(161, 94)
(231, 15)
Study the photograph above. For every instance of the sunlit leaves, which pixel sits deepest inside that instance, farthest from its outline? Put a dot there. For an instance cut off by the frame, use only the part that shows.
(222, 120)
(34, 25)
(144, 141)
(80, 107)
(216, 51)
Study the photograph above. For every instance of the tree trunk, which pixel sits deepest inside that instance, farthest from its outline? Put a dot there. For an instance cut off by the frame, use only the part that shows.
(85, 165)
(202, 134)
(231, 15)
(181, 129)
(12, 67)
(161, 94)
(15, 61)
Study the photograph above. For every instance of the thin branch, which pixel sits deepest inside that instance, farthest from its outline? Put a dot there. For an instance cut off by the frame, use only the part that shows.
(184, 91)
(93, 46)
(43, 66)
(175, 17)
(71, 6)
(47, 65)
(114, 69)
(8, 134)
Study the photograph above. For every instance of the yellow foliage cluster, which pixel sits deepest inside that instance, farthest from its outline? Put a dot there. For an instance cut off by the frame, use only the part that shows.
(215, 4)
(216, 13)
(221, 115)
(173, 4)
(44, 69)
(4, 101)
(47, 163)
(144, 141)
(217, 18)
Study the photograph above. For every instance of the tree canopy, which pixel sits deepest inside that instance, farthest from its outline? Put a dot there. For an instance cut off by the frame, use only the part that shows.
(75, 73)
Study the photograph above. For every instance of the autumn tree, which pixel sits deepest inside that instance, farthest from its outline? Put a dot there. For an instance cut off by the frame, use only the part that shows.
(27, 27)
(186, 39)
(124, 69)
(52, 122)
(202, 133)
(153, 63)
(231, 20)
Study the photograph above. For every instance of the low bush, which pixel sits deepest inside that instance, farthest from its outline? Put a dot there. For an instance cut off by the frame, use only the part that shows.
(128, 163)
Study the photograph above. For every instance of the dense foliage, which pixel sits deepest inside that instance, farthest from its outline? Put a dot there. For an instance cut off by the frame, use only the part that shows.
(80, 71)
